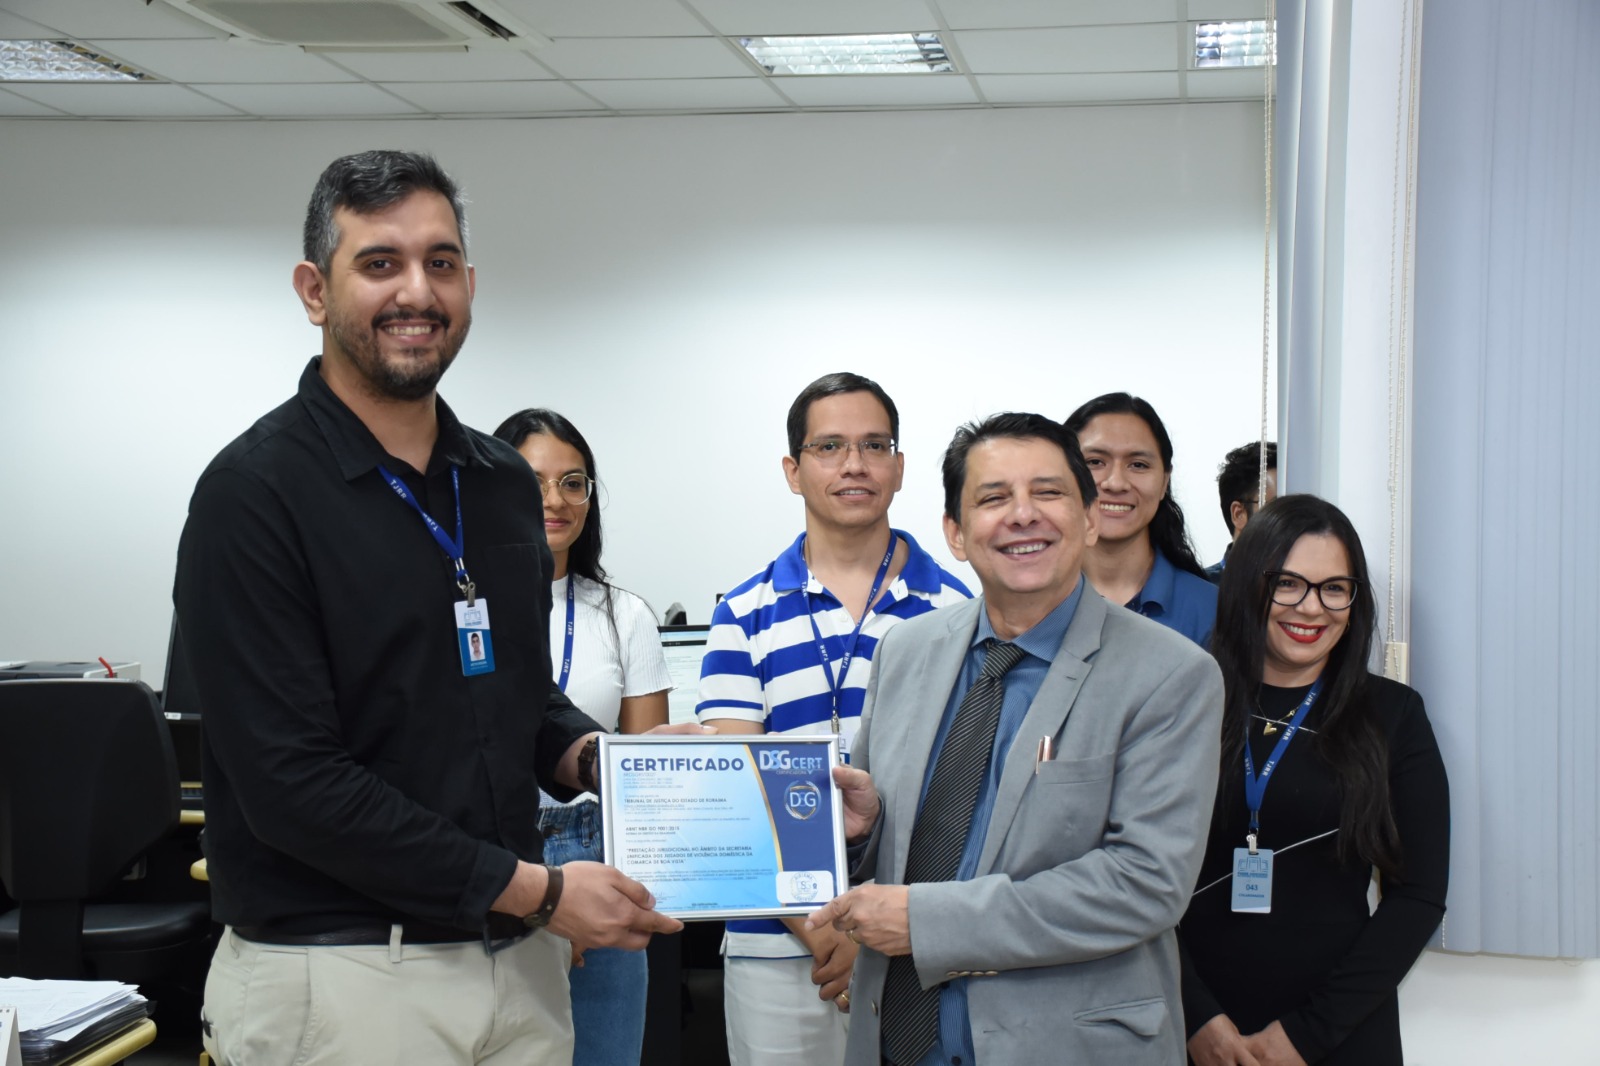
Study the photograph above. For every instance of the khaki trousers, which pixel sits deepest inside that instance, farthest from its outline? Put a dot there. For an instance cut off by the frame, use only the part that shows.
(430, 1004)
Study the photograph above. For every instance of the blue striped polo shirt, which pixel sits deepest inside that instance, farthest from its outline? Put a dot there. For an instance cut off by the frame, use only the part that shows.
(762, 664)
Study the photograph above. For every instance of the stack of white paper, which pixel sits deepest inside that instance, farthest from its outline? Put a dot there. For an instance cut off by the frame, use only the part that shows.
(59, 1018)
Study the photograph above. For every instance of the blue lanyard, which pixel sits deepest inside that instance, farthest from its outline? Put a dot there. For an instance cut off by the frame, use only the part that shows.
(835, 683)
(566, 650)
(1255, 788)
(455, 549)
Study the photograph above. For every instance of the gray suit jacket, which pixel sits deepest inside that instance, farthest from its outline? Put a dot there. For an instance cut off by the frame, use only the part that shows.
(1066, 932)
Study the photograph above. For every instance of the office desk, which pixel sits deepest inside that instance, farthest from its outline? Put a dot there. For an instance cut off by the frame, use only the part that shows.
(118, 1047)
(187, 817)
(198, 870)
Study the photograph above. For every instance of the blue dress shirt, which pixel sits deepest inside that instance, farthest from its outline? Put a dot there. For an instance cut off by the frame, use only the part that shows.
(954, 1047)
(1214, 571)
(1178, 600)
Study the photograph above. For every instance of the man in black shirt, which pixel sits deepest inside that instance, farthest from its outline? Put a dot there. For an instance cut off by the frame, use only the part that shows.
(375, 737)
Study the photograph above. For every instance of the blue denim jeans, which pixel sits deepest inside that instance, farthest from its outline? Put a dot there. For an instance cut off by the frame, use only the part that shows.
(608, 990)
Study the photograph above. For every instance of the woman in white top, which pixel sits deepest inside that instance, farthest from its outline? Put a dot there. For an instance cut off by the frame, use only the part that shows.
(606, 654)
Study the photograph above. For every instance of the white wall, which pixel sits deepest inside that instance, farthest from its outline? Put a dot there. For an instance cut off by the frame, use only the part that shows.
(1501, 1010)
(668, 283)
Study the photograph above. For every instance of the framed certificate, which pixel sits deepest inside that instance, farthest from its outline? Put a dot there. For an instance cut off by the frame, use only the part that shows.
(725, 826)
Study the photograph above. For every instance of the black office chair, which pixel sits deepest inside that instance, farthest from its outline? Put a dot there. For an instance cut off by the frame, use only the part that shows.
(87, 784)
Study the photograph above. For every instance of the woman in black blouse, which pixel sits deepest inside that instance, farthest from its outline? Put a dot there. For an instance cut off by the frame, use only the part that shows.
(1308, 976)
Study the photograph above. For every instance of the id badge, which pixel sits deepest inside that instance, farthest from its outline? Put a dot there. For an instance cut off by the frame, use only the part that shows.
(1252, 881)
(848, 728)
(472, 633)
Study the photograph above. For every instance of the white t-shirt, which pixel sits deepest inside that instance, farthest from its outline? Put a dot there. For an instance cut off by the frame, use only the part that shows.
(607, 664)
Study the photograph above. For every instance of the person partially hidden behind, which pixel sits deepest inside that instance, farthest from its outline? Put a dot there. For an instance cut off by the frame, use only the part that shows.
(790, 651)
(1284, 964)
(1143, 557)
(1030, 787)
(606, 650)
(371, 786)
(1244, 490)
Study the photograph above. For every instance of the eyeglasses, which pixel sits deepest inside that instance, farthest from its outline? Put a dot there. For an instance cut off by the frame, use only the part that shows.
(1289, 589)
(834, 450)
(573, 488)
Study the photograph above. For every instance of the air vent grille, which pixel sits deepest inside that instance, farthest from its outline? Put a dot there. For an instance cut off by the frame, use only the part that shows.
(363, 24)
(485, 21)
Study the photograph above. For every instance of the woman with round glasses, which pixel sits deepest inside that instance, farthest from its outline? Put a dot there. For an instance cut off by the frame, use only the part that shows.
(605, 651)
(1282, 962)
(1141, 556)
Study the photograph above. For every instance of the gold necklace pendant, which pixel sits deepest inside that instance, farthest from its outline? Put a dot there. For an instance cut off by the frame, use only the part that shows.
(1268, 727)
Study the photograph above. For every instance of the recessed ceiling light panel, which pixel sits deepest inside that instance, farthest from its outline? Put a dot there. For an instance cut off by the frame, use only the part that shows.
(61, 61)
(1234, 44)
(860, 53)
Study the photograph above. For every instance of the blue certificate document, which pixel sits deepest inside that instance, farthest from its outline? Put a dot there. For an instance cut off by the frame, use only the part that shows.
(725, 827)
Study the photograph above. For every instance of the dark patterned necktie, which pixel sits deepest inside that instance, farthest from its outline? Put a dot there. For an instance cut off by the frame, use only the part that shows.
(911, 1013)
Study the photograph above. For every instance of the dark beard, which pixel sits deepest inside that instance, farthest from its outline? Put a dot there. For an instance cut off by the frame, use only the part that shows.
(403, 381)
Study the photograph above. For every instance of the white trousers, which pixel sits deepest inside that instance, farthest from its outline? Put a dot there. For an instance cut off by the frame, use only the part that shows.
(429, 1004)
(775, 1018)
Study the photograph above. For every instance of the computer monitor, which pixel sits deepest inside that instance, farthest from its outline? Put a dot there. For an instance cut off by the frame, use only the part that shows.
(684, 647)
(180, 702)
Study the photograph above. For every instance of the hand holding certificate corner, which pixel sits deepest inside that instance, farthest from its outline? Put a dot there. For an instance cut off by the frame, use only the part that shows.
(720, 827)
(859, 798)
(874, 916)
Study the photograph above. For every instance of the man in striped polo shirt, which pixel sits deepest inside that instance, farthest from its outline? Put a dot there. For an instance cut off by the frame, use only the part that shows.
(790, 652)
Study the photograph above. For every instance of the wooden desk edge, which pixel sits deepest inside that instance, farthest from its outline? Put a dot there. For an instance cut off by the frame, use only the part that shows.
(187, 816)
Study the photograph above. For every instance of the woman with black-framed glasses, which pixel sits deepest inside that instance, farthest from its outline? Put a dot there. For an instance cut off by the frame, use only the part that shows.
(606, 656)
(1282, 962)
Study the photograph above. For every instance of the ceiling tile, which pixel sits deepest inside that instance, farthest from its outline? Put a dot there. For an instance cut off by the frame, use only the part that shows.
(17, 28)
(479, 64)
(1218, 10)
(767, 18)
(1078, 88)
(111, 18)
(885, 90)
(1011, 14)
(12, 104)
(1250, 84)
(309, 101)
(1086, 49)
(493, 97)
(643, 57)
(605, 18)
(683, 94)
(125, 100)
(226, 60)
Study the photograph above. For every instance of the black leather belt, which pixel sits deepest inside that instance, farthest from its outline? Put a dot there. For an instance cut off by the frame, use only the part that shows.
(410, 933)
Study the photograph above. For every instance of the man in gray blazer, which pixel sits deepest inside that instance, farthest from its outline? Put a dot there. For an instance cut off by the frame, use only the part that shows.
(1023, 910)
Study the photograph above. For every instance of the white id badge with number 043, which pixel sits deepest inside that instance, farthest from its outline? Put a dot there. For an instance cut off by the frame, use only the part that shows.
(472, 632)
(1252, 881)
